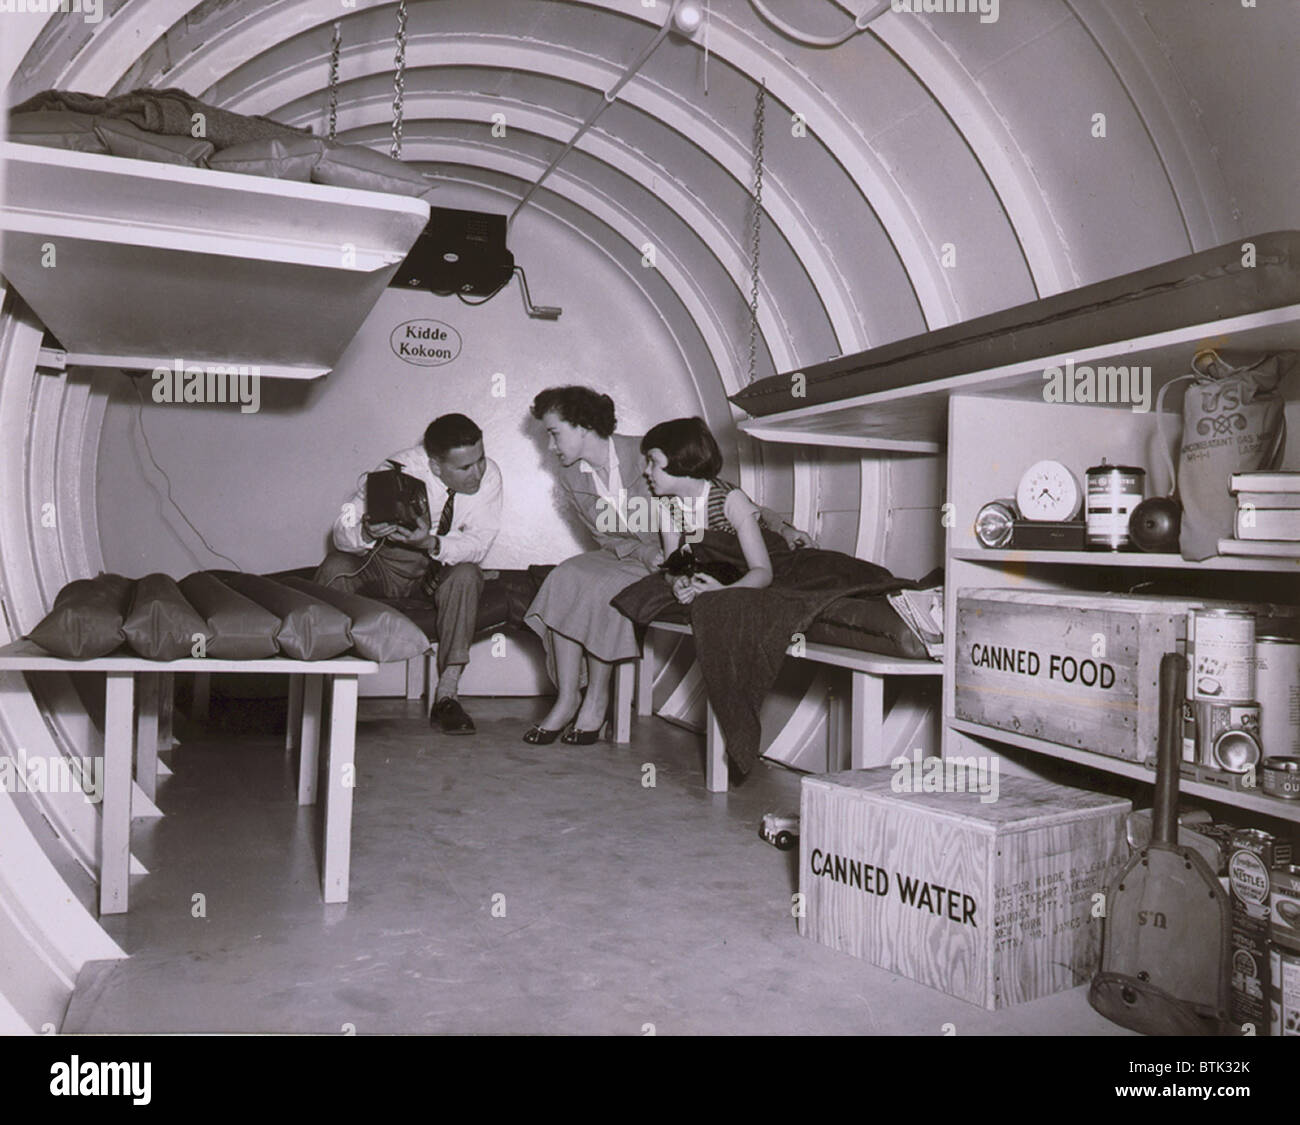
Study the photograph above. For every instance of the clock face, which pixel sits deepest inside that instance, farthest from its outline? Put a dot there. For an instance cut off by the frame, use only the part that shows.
(1048, 491)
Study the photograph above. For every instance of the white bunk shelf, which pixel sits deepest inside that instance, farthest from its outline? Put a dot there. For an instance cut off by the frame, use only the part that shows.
(1255, 802)
(914, 419)
(159, 262)
(1013, 558)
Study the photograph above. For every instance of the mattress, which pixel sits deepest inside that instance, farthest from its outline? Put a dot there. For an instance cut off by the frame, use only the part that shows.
(868, 624)
(1208, 286)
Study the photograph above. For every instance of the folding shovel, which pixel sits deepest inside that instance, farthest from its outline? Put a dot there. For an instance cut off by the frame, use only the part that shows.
(1166, 941)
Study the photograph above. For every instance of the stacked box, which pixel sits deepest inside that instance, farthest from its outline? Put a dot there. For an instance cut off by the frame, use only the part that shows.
(990, 900)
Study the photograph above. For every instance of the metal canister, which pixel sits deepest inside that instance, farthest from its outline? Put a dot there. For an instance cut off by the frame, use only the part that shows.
(1223, 654)
(1227, 735)
(1284, 905)
(1284, 990)
(1253, 852)
(1277, 689)
(1113, 492)
(1282, 777)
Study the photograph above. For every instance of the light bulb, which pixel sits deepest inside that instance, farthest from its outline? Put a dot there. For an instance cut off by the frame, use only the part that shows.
(687, 19)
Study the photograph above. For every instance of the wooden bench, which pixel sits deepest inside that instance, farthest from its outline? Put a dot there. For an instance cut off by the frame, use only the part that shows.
(869, 671)
(131, 735)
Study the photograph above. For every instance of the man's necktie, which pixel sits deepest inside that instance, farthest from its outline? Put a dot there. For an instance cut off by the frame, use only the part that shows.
(444, 520)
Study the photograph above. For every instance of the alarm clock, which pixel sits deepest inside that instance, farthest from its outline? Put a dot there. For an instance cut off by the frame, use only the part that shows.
(1049, 491)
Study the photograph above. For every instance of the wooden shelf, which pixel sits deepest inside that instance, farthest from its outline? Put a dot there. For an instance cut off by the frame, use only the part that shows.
(1255, 802)
(1003, 557)
(914, 419)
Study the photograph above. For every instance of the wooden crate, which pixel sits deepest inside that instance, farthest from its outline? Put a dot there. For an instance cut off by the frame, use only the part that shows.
(1079, 670)
(1005, 915)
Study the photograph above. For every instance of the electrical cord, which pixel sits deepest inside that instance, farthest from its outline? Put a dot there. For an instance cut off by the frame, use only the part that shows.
(135, 382)
(859, 25)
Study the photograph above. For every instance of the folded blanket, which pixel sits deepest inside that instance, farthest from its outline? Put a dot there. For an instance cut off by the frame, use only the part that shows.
(741, 634)
(169, 111)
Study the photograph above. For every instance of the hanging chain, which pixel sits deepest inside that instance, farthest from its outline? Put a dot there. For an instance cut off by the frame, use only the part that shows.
(755, 228)
(399, 80)
(335, 47)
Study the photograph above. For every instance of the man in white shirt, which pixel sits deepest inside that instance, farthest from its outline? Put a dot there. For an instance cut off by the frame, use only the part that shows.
(441, 554)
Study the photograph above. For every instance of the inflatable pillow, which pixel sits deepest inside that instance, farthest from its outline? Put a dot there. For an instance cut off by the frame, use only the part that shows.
(310, 629)
(161, 624)
(239, 629)
(378, 631)
(86, 619)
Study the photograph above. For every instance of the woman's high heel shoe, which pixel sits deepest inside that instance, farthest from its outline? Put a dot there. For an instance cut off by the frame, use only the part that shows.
(575, 737)
(540, 736)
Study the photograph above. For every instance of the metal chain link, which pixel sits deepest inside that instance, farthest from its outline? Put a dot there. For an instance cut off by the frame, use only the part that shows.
(335, 48)
(755, 228)
(399, 81)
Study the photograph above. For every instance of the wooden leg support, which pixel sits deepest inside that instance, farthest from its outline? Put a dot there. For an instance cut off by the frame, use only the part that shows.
(715, 753)
(166, 711)
(293, 725)
(115, 825)
(146, 737)
(202, 697)
(309, 745)
(624, 679)
(340, 780)
(868, 739)
(645, 679)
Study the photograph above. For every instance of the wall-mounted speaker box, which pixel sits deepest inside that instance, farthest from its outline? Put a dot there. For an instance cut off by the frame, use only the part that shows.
(458, 252)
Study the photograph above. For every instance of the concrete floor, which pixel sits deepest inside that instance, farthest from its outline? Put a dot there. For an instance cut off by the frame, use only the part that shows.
(624, 906)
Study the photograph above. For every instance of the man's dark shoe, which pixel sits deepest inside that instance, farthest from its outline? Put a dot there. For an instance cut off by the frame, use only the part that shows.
(449, 715)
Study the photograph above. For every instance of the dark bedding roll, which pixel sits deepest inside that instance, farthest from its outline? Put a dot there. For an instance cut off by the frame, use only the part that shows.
(238, 628)
(310, 629)
(161, 624)
(86, 618)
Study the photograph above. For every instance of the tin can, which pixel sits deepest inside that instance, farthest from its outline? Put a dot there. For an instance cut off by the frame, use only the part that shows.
(1223, 654)
(1277, 688)
(1113, 492)
(1284, 905)
(1227, 735)
(1284, 992)
(1282, 777)
(1252, 856)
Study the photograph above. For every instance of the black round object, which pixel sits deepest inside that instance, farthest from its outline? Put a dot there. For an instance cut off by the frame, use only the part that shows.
(1155, 522)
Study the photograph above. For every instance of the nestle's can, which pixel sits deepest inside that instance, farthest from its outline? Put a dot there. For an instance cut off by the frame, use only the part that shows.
(1277, 686)
(1227, 735)
(1252, 855)
(1113, 492)
(1284, 905)
(1284, 992)
(1223, 654)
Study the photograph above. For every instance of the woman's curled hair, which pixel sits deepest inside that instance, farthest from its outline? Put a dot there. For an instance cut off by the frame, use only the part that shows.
(579, 406)
(688, 446)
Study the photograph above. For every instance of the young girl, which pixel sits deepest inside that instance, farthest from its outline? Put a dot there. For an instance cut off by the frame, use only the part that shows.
(682, 463)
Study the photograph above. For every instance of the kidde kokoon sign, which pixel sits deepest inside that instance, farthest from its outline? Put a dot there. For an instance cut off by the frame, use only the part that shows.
(425, 343)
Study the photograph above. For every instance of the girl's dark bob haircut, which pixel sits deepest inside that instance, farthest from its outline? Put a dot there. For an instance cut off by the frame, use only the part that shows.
(689, 447)
(579, 406)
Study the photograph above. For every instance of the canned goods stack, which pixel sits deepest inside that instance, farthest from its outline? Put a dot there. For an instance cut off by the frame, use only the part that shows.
(1284, 951)
(1221, 690)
